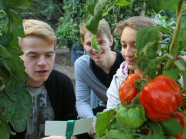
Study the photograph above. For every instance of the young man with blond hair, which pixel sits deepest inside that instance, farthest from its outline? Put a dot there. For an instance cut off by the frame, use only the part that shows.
(52, 92)
(95, 70)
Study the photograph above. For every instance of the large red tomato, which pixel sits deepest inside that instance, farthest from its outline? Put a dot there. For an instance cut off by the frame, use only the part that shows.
(127, 90)
(160, 97)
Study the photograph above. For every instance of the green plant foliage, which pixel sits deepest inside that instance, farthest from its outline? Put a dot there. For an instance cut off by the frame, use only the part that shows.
(144, 37)
(15, 23)
(105, 116)
(3, 21)
(15, 100)
(169, 127)
(150, 54)
(94, 44)
(3, 4)
(159, 5)
(68, 25)
(91, 5)
(48, 11)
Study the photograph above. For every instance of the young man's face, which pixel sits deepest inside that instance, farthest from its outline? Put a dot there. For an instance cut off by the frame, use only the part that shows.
(128, 42)
(104, 44)
(38, 59)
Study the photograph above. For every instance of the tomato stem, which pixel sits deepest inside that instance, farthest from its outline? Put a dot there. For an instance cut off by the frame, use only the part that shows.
(180, 7)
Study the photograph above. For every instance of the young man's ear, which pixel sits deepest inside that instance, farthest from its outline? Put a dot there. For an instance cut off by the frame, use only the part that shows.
(111, 40)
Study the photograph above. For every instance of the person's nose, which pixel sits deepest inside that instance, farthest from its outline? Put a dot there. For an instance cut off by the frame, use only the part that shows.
(96, 51)
(129, 52)
(41, 61)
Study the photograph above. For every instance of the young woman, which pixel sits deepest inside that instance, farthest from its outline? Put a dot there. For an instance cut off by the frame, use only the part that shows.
(128, 30)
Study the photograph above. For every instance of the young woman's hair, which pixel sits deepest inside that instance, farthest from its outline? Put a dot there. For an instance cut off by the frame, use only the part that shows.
(39, 29)
(103, 28)
(135, 22)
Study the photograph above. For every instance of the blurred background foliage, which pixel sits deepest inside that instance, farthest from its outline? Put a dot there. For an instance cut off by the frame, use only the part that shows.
(65, 17)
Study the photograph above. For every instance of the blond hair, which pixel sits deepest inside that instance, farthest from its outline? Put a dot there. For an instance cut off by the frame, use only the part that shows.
(103, 28)
(40, 29)
(135, 22)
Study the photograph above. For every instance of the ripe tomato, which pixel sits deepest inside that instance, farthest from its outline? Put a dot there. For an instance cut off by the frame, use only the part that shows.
(127, 90)
(160, 97)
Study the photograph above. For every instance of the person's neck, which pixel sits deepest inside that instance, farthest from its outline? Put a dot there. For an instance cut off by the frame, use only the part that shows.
(33, 84)
(108, 62)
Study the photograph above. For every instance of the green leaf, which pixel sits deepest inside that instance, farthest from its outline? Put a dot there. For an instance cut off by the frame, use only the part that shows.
(180, 38)
(122, 2)
(3, 4)
(184, 130)
(103, 120)
(157, 136)
(94, 43)
(106, 13)
(97, 137)
(145, 36)
(155, 4)
(13, 85)
(150, 50)
(18, 4)
(143, 137)
(172, 73)
(170, 137)
(4, 130)
(169, 4)
(14, 64)
(119, 134)
(159, 5)
(6, 38)
(3, 52)
(17, 111)
(15, 24)
(91, 5)
(163, 29)
(92, 22)
(156, 127)
(171, 127)
(183, 33)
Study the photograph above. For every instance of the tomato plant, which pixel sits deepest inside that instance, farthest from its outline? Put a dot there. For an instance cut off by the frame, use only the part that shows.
(168, 94)
(15, 100)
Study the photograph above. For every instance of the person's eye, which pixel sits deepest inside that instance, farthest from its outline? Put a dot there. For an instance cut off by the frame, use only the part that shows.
(33, 56)
(124, 46)
(100, 43)
(48, 55)
(88, 44)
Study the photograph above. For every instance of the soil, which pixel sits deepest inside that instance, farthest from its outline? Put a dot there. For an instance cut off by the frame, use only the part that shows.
(63, 64)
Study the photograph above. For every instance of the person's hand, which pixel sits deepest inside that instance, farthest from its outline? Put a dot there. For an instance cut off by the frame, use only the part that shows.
(92, 132)
(59, 137)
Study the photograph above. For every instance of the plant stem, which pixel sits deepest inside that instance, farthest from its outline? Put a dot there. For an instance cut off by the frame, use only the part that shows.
(178, 23)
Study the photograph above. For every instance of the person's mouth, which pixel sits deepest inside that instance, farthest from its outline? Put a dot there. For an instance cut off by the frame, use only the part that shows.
(42, 71)
(97, 55)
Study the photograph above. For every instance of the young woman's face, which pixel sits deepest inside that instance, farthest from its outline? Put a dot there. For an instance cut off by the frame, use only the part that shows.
(104, 44)
(128, 42)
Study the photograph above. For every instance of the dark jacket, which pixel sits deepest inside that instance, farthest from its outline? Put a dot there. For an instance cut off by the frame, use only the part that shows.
(61, 93)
